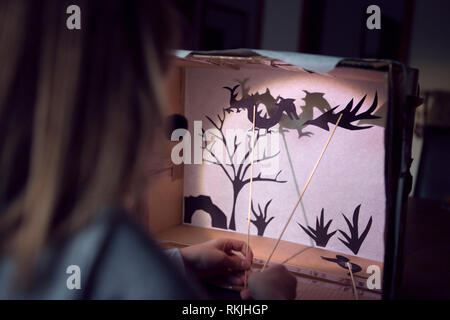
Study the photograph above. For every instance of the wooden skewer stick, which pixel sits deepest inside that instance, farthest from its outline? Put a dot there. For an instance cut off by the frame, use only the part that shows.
(296, 254)
(303, 191)
(250, 191)
(355, 293)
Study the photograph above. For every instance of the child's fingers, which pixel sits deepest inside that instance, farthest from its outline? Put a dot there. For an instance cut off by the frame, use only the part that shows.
(236, 263)
(245, 295)
(229, 245)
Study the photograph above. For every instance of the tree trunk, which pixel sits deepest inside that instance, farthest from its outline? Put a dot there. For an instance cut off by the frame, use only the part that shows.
(236, 189)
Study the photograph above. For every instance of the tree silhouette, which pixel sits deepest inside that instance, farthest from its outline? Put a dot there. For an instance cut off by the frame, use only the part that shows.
(320, 235)
(354, 241)
(261, 221)
(236, 173)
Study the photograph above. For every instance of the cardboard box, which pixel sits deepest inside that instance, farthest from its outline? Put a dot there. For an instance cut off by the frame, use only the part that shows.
(353, 209)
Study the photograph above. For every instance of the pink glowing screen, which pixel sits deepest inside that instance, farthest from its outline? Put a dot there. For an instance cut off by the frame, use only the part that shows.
(343, 209)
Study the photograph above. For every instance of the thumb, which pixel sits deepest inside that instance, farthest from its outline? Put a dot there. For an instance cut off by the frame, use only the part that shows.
(245, 295)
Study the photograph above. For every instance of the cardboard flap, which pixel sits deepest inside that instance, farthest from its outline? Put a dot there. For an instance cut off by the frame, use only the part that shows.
(309, 62)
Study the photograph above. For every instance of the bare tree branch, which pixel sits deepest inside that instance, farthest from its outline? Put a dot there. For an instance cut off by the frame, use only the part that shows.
(216, 136)
(247, 154)
(235, 146)
(250, 148)
(245, 171)
(223, 139)
(213, 123)
(239, 171)
(209, 161)
(259, 178)
(218, 163)
(265, 157)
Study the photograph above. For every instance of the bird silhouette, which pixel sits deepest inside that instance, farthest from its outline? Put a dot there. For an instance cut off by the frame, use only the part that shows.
(342, 262)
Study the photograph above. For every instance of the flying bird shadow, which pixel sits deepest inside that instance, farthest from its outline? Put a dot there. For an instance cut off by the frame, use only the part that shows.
(341, 261)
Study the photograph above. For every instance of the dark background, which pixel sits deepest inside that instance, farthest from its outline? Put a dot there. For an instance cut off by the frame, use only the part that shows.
(414, 32)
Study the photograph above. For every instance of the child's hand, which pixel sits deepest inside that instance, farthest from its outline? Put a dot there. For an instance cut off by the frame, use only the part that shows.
(217, 260)
(275, 283)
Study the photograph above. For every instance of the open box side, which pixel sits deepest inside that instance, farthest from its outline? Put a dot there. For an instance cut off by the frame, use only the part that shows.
(404, 82)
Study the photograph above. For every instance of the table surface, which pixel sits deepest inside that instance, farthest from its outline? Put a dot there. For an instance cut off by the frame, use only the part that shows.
(426, 273)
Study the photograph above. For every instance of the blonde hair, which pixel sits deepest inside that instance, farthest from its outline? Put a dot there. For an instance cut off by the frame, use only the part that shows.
(78, 110)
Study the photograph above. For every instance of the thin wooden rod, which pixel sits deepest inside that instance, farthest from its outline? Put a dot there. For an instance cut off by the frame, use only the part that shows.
(355, 293)
(296, 254)
(303, 191)
(250, 191)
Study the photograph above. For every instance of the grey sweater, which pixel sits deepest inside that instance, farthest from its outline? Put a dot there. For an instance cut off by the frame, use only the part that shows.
(116, 260)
